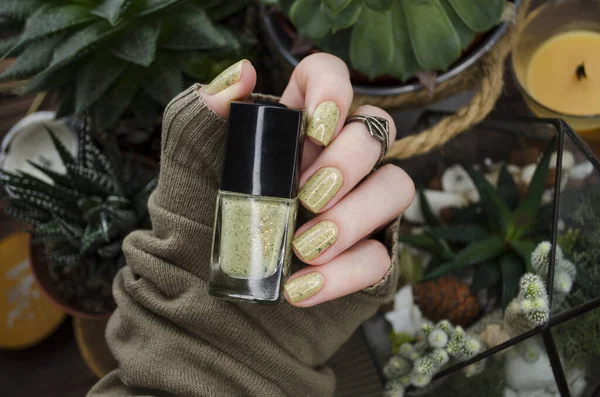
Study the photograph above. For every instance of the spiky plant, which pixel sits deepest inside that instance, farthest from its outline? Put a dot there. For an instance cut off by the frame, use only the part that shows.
(495, 236)
(393, 37)
(417, 362)
(105, 57)
(81, 218)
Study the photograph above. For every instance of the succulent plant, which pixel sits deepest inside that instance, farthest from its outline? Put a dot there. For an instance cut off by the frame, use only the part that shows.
(392, 37)
(530, 309)
(496, 236)
(106, 57)
(417, 362)
(81, 218)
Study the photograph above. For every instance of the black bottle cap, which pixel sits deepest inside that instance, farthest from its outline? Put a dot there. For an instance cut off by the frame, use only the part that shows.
(264, 148)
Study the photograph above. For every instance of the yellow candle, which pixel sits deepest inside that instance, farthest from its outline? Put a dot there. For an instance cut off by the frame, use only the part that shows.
(564, 73)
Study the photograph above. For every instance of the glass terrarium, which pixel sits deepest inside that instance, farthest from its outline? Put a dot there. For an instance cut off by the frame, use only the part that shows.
(499, 256)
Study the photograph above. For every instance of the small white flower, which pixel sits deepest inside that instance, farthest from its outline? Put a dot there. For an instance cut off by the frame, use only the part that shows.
(424, 366)
(427, 328)
(438, 338)
(566, 266)
(531, 286)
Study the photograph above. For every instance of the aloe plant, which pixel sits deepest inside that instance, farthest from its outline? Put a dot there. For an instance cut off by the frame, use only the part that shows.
(393, 37)
(496, 236)
(106, 57)
(81, 218)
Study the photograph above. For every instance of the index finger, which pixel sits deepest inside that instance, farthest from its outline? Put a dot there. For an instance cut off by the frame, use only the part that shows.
(321, 85)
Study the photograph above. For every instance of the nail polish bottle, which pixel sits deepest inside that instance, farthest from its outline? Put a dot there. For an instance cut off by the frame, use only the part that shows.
(257, 202)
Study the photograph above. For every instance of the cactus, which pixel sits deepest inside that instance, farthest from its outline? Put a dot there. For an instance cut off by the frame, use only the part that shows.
(497, 236)
(530, 308)
(565, 271)
(105, 57)
(421, 35)
(417, 363)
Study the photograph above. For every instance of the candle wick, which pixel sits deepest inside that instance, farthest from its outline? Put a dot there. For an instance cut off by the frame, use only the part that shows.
(580, 72)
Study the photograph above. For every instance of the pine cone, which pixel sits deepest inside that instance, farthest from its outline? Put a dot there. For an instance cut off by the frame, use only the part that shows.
(447, 298)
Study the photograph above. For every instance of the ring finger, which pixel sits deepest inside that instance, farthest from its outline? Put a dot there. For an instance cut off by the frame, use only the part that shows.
(375, 202)
(344, 163)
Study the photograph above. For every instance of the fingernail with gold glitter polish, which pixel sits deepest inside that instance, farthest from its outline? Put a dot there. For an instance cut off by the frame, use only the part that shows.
(320, 188)
(303, 287)
(315, 240)
(323, 121)
(226, 79)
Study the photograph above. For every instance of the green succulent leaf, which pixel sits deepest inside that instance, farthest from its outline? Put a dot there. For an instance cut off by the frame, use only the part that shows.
(306, 15)
(486, 275)
(524, 248)
(379, 5)
(58, 179)
(459, 233)
(65, 155)
(499, 215)
(436, 44)
(193, 30)
(138, 44)
(95, 78)
(422, 241)
(165, 83)
(36, 57)
(404, 65)
(338, 44)
(476, 252)
(372, 43)
(79, 43)
(541, 227)
(52, 79)
(465, 34)
(511, 267)
(142, 8)
(428, 215)
(533, 197)
(224, 9)
(116, 99)
(19, 9)
(112, 10)
(507, 189)
(54, 18)
(335, 6)
(479, 15)
(9, 44)
(344, 18)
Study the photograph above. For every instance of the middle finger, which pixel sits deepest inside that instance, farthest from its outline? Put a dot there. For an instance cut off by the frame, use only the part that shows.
(344, 163)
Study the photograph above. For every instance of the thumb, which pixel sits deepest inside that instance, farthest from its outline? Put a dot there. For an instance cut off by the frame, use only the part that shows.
(234, 83)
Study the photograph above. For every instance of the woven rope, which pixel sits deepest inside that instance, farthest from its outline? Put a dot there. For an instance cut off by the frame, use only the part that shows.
(489, 73)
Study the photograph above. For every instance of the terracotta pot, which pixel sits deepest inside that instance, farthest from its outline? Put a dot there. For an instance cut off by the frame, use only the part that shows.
(41, 272)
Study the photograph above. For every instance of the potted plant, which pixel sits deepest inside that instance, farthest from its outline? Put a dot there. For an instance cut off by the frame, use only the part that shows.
(392, 47)
(500, 257)
(79, 219)
(114, 59)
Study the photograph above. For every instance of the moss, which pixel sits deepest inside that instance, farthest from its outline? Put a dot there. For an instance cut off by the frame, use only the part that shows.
(578, 340)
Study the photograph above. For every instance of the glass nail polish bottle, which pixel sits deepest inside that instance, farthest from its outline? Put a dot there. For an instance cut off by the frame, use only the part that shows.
(256, 206)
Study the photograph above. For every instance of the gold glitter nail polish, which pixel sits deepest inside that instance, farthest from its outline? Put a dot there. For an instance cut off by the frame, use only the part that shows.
(320, 188)
(303, 287)
(227, 78)
(256, 204)
(323, 122)
(315, 240)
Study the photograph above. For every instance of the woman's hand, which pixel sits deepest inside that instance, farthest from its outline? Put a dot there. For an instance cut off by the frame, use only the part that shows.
(336, 183)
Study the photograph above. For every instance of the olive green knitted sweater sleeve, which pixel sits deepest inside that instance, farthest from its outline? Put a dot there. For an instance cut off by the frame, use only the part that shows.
(169, 336)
